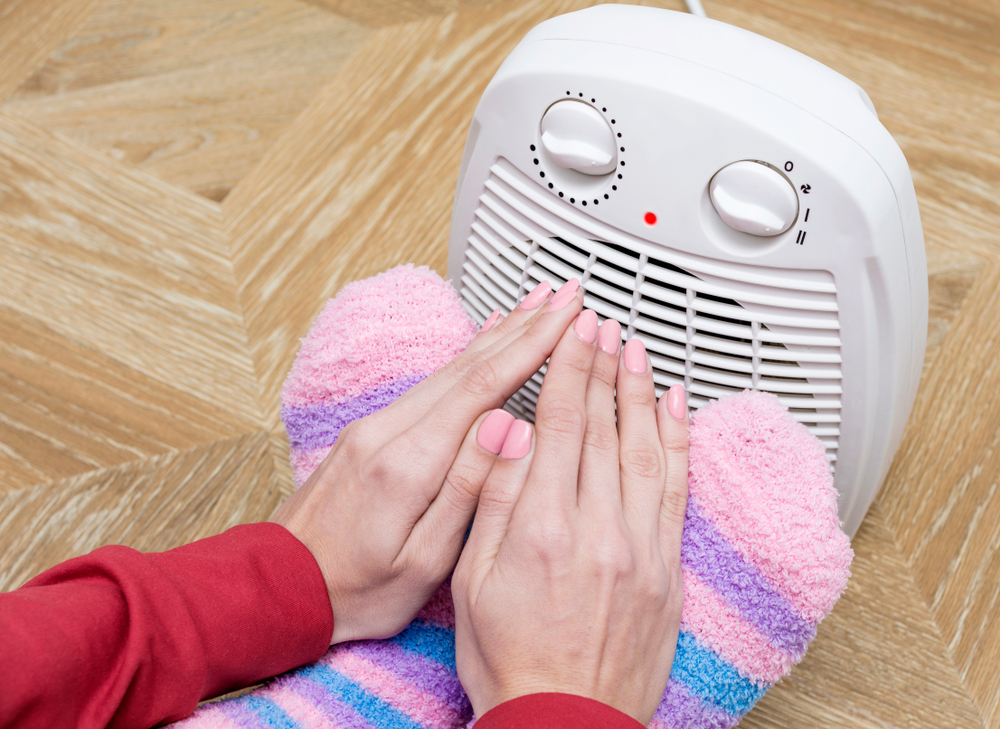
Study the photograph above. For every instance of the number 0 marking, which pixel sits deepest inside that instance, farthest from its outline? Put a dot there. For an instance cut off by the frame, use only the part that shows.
(789, 166)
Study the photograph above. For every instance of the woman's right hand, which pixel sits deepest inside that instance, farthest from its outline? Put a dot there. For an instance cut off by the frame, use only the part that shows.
(571, 580)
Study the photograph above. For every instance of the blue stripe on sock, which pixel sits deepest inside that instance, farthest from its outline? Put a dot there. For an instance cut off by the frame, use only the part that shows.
(708, 676)
(269, 712)
(429, 641)
(376, 711)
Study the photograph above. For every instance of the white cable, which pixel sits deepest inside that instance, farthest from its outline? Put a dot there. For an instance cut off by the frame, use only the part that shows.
(695, 8)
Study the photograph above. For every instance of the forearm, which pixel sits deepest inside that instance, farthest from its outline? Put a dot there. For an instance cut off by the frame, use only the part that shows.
(125, 639)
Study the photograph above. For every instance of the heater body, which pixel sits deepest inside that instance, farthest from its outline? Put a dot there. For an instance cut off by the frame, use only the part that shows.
(814, 289)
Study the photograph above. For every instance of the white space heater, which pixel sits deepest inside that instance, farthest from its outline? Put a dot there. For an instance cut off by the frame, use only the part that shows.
(733, 203)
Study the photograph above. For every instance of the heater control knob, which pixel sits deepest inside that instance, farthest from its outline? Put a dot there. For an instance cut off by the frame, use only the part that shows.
(577, 136)
(754, 198)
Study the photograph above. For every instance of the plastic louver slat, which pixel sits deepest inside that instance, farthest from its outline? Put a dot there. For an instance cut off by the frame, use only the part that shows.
(715, 326)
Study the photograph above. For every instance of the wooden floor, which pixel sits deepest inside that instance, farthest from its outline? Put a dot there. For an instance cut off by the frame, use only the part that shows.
(183, 184)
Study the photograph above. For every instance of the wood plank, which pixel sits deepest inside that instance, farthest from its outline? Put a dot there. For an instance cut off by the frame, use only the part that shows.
(941, 496)
(878, 661)
(117, 263)
(379, 13)
(67, 408)
(151, 505)
(193, 93)
(30, 30)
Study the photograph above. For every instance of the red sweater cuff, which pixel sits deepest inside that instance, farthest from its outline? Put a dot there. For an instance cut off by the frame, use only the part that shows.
(125, 639)
(259, 603)
(555, 711)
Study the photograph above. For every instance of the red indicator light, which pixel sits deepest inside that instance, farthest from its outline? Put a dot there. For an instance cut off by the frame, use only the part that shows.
(650, 219)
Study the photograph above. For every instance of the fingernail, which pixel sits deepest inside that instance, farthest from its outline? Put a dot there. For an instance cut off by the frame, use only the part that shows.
(677, 402)
(611, 336)
(518, 441)
(537, 296)
(493, 431)
(586, 326)
(635, 357)
(491, 321)
(565, 294)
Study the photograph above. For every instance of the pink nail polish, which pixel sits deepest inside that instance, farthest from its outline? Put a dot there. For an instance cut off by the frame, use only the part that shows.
(488, 324)
(586, 326)
(537, 296)
(518, 441)
(565, 294)
(611, 336)
(677, 402)
(635, 357)
(493, 431)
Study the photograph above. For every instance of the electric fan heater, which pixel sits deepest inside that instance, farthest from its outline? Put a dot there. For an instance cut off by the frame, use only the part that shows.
(735, 204)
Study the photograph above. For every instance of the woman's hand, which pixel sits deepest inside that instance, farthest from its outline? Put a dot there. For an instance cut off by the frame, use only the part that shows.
(571, 579)
(386, 512)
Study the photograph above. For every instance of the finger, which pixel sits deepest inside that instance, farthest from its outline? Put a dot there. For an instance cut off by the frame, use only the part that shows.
(672, 426)
(599, 488)
(561, 418)
(441, 527)
(499, 496)
(643, 464)
(415, 403)
(432, 441)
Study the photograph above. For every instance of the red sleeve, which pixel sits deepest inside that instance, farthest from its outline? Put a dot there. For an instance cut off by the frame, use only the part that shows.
(555, 711)
(124, 639)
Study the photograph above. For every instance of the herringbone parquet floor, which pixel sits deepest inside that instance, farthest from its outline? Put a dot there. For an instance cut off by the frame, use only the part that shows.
(183, 184)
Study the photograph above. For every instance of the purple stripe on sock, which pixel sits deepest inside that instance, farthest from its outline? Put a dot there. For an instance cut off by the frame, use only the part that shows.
(343, 715)
(680, 709)
(242, 715)
(317, 426)
(709, 554)
(437, 680)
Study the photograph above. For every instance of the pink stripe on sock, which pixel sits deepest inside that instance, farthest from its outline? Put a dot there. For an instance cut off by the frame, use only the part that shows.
(764, 482)
(404, 320)
(299, 708)
(419, 705)
(209, 716)
(720, 627)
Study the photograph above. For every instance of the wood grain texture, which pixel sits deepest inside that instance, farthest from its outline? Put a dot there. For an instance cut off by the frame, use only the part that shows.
(194, 93)
(150, 505)
(30, 30)
(145, 330)
(117, 272)
(378, 13)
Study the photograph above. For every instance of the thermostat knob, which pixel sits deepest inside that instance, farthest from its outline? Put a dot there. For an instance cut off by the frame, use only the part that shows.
(577, 136)
(754, 198)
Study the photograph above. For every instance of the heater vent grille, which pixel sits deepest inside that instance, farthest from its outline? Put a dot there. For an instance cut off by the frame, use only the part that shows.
(717, 327)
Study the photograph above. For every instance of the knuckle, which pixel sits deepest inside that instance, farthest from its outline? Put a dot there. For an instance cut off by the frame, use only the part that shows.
(614, 555)
(561, 417)
(606, 376)
(601, 437)
(550, 538)
(673, 505)
(482, 379)
(464, 483)
(642, 462)
(641, 396)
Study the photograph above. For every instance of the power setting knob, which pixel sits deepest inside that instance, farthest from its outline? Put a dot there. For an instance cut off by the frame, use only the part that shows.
(578, 137)
(754, 198)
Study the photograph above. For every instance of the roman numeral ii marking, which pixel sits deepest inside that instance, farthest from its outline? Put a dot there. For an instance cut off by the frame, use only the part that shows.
(801, 238)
